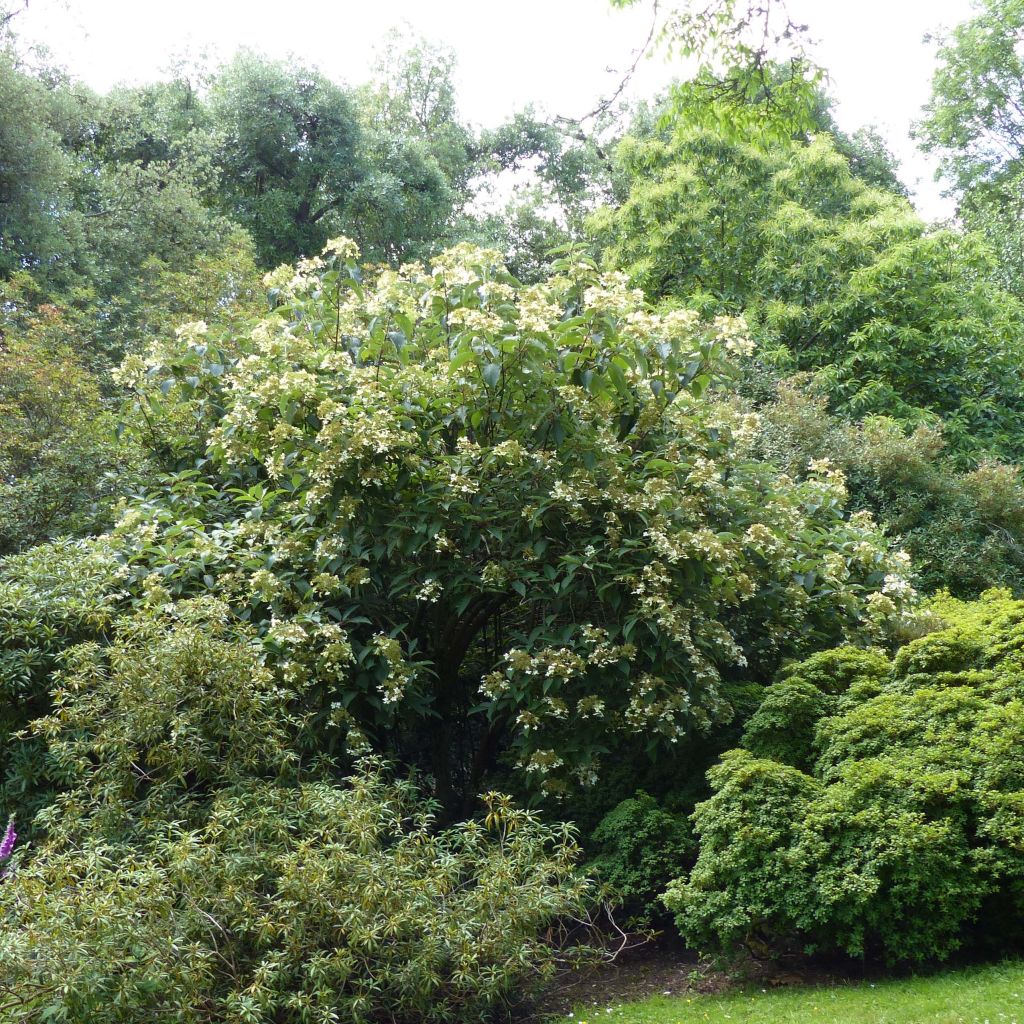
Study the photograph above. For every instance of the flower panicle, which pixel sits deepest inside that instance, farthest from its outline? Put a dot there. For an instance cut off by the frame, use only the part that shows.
(10, 837)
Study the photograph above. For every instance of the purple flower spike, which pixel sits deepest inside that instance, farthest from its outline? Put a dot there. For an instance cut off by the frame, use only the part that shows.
(8, 841)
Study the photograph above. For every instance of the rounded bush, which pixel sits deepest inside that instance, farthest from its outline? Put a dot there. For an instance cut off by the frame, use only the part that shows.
(904, 837)
(640, 847)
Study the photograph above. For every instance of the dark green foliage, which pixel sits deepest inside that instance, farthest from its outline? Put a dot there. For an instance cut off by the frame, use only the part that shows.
(902, 837)
(417, 154)
(99, 195)
(869, 157)
(783, 727)
(33, 171)
(639, 847)
(289, 157)
(743, 879)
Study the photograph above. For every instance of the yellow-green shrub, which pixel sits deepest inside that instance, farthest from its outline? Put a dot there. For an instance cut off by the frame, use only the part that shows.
(198, 870)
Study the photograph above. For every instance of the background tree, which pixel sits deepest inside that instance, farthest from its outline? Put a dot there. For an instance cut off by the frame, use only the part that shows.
(974, 123)
(61, 466)
(288, 155)
(419, 156)
(835, 275)
(33, 175)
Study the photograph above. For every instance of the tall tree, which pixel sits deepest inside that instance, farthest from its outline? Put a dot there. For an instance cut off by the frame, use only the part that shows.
(33, 174)
(418, 155)
(838, 276)
(289, 155)
(974, 123)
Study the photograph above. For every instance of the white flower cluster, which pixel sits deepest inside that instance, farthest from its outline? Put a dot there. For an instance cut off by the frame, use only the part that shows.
(399, 673)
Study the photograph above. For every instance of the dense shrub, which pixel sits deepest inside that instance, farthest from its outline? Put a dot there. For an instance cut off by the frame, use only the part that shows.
(963, 529)
(494, 525)
(198, 870)
(291, 903)
(639, 847)
(902, 836)
(155, 722)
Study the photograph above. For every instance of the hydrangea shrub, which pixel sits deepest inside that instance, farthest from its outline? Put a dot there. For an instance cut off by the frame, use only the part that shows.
(488, 521)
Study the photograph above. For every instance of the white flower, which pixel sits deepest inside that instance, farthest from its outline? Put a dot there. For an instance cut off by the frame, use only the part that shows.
(430, 591)
(343, 248)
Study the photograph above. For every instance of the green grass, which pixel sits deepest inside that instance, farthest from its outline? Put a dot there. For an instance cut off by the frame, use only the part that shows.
(989, 995)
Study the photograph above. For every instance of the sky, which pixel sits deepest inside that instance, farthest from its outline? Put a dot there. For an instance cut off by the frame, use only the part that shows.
(559, 55)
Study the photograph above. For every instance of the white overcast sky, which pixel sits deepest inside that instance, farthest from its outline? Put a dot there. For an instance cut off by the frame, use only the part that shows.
(555, 54)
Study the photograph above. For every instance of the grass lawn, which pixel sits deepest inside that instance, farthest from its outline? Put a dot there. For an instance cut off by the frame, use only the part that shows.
(986, 995)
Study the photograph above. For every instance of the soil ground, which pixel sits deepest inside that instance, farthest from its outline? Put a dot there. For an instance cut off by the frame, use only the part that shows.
(666, 968)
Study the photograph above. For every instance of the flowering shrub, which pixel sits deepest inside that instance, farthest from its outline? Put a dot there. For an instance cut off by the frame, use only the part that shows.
(477, 519)
(896, 826)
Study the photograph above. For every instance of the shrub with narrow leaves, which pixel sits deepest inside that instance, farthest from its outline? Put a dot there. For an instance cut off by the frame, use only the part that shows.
(318, 901)
(198, 870)
(51, 598)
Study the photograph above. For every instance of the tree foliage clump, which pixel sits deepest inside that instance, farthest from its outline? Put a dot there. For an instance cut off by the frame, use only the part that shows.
(834, 276)
(974, 123)
(892, 826)
(493, 524)
(100, 194)
(61, 468)
(196, 868)
(288, 152)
